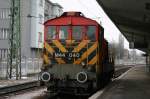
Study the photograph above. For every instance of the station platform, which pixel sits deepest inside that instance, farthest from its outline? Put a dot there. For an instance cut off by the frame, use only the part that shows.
(134, 84)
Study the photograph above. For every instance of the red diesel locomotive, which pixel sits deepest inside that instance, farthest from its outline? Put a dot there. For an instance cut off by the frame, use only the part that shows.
(75, 56)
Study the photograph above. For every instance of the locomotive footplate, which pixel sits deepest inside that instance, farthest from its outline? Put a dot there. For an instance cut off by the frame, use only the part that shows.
(73, 88)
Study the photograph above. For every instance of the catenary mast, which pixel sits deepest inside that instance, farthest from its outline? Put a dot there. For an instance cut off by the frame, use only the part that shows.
(14, 55)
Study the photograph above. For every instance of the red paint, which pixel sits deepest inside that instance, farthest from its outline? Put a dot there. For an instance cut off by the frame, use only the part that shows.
(72, 20)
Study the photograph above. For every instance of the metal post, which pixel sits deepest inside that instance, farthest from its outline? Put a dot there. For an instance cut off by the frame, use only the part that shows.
(38, 55)
(14, 55)
(148, 61)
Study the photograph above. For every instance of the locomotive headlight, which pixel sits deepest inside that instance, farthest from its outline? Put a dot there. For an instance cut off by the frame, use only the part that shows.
(83, 64)
(81, 77)
(45, 76)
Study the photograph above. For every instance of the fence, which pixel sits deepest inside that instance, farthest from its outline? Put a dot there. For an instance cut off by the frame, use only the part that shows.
(33, 65)
(130, 61)
(28, 66)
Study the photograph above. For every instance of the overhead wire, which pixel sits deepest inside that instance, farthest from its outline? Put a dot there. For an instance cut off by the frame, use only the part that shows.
(95, 16)
(85, 6)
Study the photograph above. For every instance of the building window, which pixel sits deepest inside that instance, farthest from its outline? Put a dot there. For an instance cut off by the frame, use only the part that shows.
(51, 33)
(41, 3)
(91, 32)
(60, 12)
(4, 33)
(3, 53)
(4, 13)
(40, 19)
(40, 37)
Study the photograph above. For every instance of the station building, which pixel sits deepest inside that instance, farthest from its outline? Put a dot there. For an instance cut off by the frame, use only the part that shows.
(33, 15)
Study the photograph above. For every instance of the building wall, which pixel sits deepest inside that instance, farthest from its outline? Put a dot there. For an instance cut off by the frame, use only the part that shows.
(25, 28)
(4, 27)
(48, 10)
(52, 10)
(57, 10)
(37, 27)
(121, 46)
(33, 13)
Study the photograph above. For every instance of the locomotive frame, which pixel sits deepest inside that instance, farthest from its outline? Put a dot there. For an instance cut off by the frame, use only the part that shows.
(79, 63)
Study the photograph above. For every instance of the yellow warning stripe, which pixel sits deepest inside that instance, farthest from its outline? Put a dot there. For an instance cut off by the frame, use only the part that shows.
(93, 60)
(69, 42)
(81, 45)
(46, 59)
(87, 53)
(49, 48)
(60, 61)
(59, 45)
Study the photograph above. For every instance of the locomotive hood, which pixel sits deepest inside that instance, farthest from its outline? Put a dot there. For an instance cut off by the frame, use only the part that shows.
(69, 18)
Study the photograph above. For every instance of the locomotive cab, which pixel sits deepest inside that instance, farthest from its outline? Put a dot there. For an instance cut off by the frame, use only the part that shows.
(73, 54)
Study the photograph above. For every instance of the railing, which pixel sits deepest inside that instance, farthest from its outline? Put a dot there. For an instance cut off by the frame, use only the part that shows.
(29, 66)
(129, 61)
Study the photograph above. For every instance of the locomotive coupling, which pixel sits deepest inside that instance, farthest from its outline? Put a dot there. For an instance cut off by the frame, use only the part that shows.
(45, 76)
(81, 77)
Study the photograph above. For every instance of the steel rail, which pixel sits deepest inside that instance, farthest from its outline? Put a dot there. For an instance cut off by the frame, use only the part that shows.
(18, 87)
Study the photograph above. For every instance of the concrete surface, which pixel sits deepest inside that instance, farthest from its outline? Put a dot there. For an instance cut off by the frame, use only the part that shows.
(135, 84)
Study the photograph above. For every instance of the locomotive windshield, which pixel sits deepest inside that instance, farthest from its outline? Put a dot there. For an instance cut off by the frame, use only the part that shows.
(91, 32)
(76, 32)
(55, 32)
(63, 32)
(51, 32)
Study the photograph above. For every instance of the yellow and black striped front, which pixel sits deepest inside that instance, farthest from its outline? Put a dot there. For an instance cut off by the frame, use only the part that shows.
(84, 51)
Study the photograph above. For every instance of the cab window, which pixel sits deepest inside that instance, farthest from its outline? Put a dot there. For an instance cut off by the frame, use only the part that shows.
(77, 32)
(91, 33)
(51, 32)
(63, 32)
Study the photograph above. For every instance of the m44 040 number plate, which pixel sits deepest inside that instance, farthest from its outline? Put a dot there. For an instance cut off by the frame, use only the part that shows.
(65, 55)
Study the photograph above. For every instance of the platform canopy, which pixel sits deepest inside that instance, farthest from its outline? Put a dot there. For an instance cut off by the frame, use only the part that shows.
(132, 17)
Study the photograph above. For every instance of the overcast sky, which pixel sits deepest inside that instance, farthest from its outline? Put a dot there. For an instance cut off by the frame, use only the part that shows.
(91, 9)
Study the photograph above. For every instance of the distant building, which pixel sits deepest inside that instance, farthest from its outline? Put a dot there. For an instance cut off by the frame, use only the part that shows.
(57, 10)
(121, 46)
(126, 54)
(33, 15)
(133, 54)
(4, 27)
(52, 10)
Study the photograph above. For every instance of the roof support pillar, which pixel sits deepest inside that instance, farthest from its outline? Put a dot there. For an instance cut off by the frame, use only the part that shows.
(148, 59)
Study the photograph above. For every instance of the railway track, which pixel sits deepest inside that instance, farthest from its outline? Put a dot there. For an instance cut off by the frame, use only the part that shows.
(18, 87)
(30, 87)
(120, 71)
